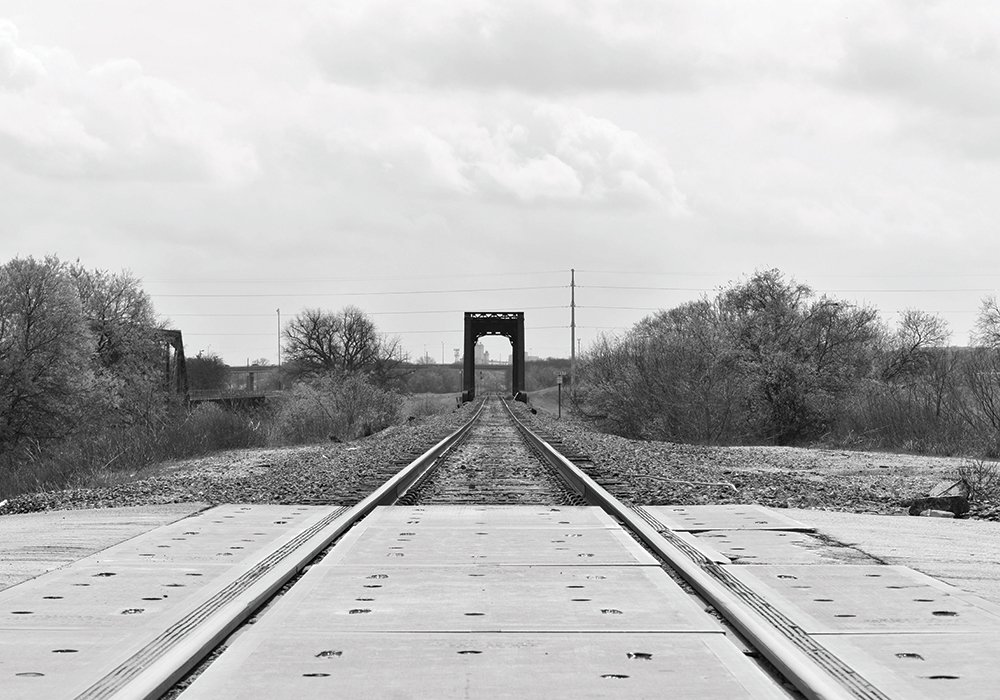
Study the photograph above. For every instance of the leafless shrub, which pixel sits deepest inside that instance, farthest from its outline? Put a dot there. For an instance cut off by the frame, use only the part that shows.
(339, 408)
(982, 478)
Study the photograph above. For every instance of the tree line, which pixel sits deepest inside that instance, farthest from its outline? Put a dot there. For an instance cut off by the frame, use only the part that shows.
(765, 360)
(83, 389)
(768, 361)
(78, 355)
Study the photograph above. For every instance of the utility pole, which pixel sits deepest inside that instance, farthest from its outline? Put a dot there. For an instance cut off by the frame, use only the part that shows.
(572, 331)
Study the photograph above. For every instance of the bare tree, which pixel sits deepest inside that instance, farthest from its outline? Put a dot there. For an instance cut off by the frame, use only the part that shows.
(913, 344)
(940, 381)
(360, 342)
(982, 378)
(987, 331)
(319, 342)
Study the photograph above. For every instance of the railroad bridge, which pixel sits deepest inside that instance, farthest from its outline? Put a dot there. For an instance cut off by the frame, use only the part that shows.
(509, 324)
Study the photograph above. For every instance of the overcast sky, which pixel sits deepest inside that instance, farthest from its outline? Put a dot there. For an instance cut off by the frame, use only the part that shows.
(245, 157)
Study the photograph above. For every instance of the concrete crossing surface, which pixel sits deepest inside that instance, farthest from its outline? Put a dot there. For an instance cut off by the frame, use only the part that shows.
(486, 601)
(470, 601)
(102, 625)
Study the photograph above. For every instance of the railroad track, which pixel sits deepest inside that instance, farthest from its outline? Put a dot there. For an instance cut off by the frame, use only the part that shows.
(492, 465)
(493, 460)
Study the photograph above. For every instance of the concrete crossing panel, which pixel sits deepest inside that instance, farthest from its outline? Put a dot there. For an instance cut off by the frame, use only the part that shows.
(930, 666)
(965, 553)
(58, 664)
(498, 599)
(100, 597)
(229, 534)
(33, 543)
(462, 516)
(287, 663)
(774, 547)
(416, 544)
(723, 517)
(72, 627)
(464, 616)
(836, 599)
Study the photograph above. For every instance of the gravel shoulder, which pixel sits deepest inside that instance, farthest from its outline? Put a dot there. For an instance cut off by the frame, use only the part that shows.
(641, 472)
(327, 473)
(660, 473)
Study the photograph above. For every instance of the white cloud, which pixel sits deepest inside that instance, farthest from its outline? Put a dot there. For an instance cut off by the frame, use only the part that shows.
(565, 46)
(928, 54)
(560, 154)
(535, 46)
(111, 121)
(936, 67)
(513, 149)
(18, 68)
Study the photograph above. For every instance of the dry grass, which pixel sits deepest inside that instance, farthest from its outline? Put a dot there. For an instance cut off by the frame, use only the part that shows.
(420, 405)
(547, 400)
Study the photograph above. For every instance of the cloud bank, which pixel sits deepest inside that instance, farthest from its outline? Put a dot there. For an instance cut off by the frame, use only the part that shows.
(110, 121)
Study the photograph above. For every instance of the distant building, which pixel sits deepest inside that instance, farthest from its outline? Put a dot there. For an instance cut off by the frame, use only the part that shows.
(482, 355)
(254, 378)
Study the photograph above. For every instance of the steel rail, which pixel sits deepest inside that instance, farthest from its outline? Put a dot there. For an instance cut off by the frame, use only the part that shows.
(790, 659)
(161, 663)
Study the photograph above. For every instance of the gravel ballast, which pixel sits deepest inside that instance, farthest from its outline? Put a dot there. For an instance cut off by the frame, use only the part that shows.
(640, 472)
(662, 473)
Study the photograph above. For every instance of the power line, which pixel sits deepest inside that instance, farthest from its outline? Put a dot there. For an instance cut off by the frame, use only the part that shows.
(634, 273)
(373, 278)
(904, 291)
(446, 330)
(354, 294)
(227, 335)
(459, 330)
(271, 315)
(837, 291)
(627, 273)
(648, 289)
(820, 276)
(367, 313)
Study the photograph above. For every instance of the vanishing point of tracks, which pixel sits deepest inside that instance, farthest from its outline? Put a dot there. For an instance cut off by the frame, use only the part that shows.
(493, 465)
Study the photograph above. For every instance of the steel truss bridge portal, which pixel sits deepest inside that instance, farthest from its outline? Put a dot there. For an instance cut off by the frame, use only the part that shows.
(506, 323)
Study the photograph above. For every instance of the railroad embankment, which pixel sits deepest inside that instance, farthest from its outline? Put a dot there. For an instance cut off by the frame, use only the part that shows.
(643, 472)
